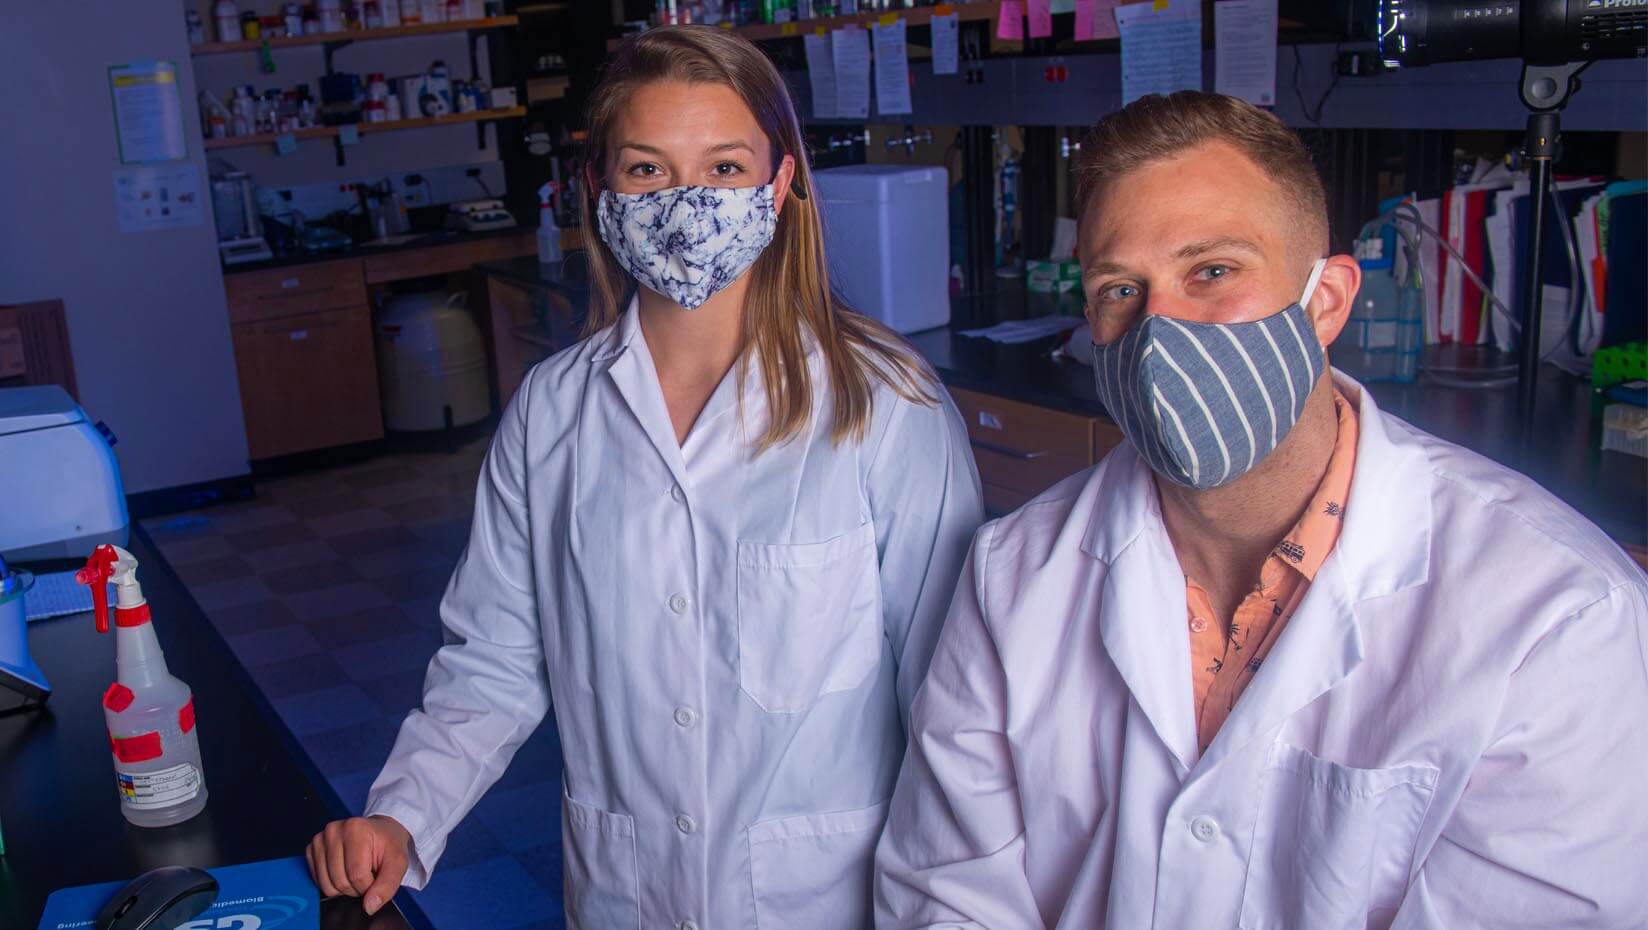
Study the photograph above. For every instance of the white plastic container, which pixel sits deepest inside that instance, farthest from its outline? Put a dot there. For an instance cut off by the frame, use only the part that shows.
(431, 363)
(227, 18)
(150, 714)
(887, 234)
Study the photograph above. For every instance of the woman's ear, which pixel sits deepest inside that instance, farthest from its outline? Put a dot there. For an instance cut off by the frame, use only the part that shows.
(1335, 294)
(781, 181)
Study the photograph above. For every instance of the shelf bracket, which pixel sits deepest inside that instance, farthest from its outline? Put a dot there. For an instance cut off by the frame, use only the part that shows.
(337, 143)
(330, 48)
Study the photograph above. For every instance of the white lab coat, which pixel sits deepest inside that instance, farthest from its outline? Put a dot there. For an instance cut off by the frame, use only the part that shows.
(1451, 732)
(731, 642)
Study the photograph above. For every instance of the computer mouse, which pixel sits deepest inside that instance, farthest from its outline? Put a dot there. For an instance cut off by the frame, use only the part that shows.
(159, 900)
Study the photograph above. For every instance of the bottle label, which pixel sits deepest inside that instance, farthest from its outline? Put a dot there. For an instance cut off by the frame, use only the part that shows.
(149, 790)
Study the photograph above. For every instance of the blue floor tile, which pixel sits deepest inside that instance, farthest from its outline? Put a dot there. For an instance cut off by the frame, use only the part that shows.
(351, 749)
(328, 709)
(298, 676)
(495, 894)
(522, 818)
(275, 644)
(352, 788)
(403, 653)
(544, 864)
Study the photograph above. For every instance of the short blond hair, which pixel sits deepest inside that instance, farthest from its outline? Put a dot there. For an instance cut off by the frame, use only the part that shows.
(1155, 127)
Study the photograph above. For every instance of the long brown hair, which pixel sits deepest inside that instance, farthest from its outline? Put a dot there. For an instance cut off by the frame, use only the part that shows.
(789, 285)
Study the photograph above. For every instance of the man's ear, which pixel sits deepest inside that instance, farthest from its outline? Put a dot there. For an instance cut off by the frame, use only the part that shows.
(1335, 295)
(781, 182)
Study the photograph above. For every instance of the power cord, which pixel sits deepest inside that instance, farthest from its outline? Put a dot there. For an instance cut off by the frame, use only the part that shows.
(1298, 66)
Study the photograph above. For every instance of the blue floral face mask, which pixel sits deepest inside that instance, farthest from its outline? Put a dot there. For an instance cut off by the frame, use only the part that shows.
(687, 243)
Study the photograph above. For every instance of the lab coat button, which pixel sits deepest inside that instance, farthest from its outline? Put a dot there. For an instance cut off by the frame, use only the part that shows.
(686, 824)
(689, 925)
(686, 716)
(1198, 625)
(1205, 829)
(679, 495)
(678, 603)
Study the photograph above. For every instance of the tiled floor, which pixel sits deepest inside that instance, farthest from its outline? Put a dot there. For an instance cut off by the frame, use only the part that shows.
(326, 587)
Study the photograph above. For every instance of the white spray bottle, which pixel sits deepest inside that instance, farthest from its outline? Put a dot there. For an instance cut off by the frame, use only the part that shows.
(150, 714)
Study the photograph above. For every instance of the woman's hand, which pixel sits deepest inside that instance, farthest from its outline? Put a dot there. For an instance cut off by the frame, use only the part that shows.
(362, 857)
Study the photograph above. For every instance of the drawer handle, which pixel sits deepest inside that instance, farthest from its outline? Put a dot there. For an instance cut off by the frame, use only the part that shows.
(297, 335)
(290, 283)
(1010, 453)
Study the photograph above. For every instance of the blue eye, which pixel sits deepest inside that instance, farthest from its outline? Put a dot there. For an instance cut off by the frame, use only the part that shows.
(1119, 292)
(1214, 272)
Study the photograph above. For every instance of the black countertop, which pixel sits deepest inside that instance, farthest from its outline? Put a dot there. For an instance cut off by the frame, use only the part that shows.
(357, 252)
(61, 819)
(1609, 488)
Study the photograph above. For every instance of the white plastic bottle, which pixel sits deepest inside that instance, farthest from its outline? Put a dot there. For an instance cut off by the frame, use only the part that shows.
(227, 17)
(150, 714)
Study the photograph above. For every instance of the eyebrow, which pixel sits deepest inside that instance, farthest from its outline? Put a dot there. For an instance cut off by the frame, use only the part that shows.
(1187, 251)
(654, 150)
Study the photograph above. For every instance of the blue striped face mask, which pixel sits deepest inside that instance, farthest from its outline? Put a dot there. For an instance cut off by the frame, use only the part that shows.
(1205, 402)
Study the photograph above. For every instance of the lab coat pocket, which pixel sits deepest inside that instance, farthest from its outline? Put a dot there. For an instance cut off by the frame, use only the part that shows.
(809, 618)
(1333, 845)
(814, 870)
(601, 878)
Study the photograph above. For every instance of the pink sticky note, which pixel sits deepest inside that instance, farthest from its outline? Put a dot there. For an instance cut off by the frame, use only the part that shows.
(1041, 19)
(1010, 25)
(1104, 18)
(1084, 20)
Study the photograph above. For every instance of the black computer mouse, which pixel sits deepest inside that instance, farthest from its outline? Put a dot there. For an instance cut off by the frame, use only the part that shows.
(159, 900)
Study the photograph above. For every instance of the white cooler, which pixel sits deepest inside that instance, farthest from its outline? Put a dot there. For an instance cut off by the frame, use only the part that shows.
(887, 234)
(60, 490)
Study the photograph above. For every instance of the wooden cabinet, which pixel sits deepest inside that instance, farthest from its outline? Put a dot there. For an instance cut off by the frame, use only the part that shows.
(1022, 449)
(446, 259)
(280, 292)
(308, 381)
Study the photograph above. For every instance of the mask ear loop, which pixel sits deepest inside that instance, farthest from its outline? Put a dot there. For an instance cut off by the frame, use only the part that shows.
(796, 191)
(1311, 282)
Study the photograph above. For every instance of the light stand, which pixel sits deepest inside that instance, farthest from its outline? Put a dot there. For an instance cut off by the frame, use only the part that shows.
(1546, 89)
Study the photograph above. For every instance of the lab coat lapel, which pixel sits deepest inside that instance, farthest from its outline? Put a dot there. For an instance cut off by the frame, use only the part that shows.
(632, 372)
(1384, 547)
(1142, 604)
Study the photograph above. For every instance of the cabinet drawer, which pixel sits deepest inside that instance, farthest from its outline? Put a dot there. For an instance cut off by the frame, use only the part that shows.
(278, 292)
(308, 382)
(1024, 448)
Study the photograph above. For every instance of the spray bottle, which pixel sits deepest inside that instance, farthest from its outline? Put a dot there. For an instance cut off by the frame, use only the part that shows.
(549, 232)
(150, 714)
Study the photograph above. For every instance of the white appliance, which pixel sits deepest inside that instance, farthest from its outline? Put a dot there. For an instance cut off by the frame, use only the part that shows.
(479, 216)
(887, 233)
(59, 481)
(431, 363)
(239, 225)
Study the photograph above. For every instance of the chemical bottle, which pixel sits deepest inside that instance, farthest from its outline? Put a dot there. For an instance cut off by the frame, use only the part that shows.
(549, 232)
(150, 714)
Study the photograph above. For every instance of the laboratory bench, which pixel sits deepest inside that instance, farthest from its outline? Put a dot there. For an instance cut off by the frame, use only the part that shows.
(1008, 383)
(58, 808)
(1034, 419)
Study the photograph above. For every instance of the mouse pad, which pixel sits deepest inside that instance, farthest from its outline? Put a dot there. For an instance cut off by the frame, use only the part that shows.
(254, 896)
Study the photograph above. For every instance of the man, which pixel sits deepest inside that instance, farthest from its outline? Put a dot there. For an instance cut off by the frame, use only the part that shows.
(1281, 661)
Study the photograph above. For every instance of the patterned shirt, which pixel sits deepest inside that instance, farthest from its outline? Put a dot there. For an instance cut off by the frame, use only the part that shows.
(1223, 662)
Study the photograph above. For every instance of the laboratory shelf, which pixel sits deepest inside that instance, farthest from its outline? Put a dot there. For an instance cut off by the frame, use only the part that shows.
(356, 35)
(915, 16)
(329, 132)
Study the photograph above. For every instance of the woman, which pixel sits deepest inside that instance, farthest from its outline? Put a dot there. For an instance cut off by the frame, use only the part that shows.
(722, 531)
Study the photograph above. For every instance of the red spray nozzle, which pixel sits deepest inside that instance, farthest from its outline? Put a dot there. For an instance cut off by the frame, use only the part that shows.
(99, 568)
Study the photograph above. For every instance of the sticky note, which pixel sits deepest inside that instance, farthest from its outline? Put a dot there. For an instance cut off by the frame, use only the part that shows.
(1010, 25)
(887, 19)
(1041, 19)
(943, 9)
(348, 135)
(286, 143)
(788, 29)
